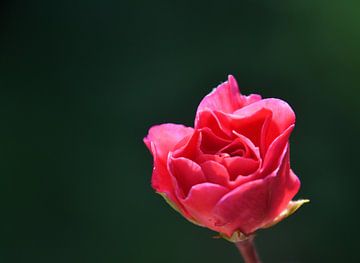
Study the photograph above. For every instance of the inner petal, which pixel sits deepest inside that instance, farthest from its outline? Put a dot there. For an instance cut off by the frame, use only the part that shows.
(236, 148)
(240, 166)
(215, 173)
(211, 143)
(187, 173)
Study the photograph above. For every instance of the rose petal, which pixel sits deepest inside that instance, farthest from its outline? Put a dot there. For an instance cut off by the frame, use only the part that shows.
(256, 203)
(240, 166)
(165, 137)
(215, 173)
(282, 116)
(187, 174)
(226, 98)
(201, 200)
(191, 148)
(272, 156)
(210, 120)
(249, 125)
(211, 143)
(244, 208)
(282, 188)
(251, 148)
(160, 140)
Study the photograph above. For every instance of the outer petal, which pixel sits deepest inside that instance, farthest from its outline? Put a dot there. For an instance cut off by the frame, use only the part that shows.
(272, 157)
(165, 137)
(223, 125)
(187, 174)
(254, 204)
(200, 203)
(160, 141)
(282, 116)
(244, 208)
(282, 188)
(226, 98)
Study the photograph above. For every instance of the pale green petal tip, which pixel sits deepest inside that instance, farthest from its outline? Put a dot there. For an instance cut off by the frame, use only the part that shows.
(169, 201)
(237, 236)
(290, 209)
(174, 206)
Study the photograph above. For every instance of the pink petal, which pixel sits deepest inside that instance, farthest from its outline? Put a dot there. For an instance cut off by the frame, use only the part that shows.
(282, 188)
(201, 200)
(160, 140)
(251, 148)
(191, 148)
(164, 183)
(240, 166)
(278, 146)
(165, 137)
(215, 173)
(187, 174)
(256, 203)
(211, 143)
(225, 98)
(244, 208)
(218, 124)
(249, 124)
(282, 116)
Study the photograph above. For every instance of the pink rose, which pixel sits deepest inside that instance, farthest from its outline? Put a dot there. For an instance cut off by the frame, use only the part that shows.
(231, 172)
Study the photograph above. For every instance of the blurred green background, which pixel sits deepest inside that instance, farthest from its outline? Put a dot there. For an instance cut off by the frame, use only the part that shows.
(82, 81)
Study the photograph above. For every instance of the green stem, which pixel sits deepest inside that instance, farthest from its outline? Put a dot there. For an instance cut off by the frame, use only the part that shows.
(248, 251)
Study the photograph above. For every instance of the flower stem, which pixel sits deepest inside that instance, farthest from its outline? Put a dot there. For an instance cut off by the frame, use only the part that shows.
(248, 251)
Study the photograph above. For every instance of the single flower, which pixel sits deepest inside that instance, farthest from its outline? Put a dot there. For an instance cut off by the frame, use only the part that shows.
(231, 172)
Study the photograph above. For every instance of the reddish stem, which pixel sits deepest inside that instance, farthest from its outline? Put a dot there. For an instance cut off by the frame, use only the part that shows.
(248, 251)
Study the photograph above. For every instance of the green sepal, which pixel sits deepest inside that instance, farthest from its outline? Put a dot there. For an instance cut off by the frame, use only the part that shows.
(290, 209)
(237, 236)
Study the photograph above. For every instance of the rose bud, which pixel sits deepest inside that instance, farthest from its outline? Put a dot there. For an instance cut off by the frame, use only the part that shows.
(231, 172)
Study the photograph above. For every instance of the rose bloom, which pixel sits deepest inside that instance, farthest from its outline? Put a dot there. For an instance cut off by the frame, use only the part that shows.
(231, 172)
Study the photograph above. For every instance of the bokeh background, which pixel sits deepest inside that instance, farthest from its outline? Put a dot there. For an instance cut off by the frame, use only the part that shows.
(82, 81)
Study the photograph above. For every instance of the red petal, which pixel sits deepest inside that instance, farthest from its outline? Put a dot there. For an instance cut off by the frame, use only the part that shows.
(277, 147)
(215, 173)
(187, 174)
(160, 140)
(240, 166)
(219, 125)
(191, 148)
(244, 208)
(248, 124)
(201, 200)
(210, 143)
(165, 137)
(282, 187)
(225, 98)
(282, 117)
(254, 204)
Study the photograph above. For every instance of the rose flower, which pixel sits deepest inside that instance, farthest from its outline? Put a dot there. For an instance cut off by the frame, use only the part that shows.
(231, 172)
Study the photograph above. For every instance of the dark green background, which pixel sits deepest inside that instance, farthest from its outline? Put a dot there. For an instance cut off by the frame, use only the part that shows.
(82, 81)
